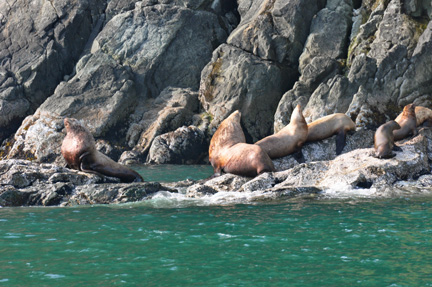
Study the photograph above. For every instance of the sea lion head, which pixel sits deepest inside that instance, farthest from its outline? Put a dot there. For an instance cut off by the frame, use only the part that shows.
(228, 134)
(297, 115)
(392, 125)
(409, 110)
(74, 126)
(235, 116)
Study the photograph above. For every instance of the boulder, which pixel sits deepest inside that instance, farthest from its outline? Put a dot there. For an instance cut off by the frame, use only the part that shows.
(186, 145)
(172, 109)
(112, 193)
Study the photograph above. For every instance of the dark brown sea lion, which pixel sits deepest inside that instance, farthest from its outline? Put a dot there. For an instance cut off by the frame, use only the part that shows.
(384, 140)
(330, 125)
(79, 151)
(288, 140)
(423, 116)
(229, 153)
(407, 121)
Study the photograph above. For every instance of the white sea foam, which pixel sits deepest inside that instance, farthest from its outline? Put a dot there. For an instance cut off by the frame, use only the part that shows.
(165, 199)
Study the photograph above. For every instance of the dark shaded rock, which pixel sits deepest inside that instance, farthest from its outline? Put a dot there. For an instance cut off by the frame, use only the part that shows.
(186, 145)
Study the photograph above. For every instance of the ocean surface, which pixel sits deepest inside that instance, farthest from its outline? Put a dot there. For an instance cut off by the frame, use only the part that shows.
(174, 241)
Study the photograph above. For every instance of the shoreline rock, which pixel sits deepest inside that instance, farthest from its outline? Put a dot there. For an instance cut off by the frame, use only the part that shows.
(24, 183)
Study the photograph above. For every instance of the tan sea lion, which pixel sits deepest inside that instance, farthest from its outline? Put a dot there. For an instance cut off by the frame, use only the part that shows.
(227, 134)
(288, 140)
(423, 116)
(79, 151)
(407, 121)
(384, 139)
(330, 125)
(229, 153)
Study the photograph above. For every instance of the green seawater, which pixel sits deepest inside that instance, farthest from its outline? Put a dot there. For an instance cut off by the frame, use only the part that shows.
(174, 241)
(173, 173)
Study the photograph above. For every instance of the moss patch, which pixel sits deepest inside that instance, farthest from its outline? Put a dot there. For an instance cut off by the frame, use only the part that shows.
(212, 79)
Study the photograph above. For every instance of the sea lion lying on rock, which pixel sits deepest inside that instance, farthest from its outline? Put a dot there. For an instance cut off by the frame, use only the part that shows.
(288, 140)
(423, 116)
(384, 140)
(330, 125)
(407, 121)
(229, 153)
(79, 151)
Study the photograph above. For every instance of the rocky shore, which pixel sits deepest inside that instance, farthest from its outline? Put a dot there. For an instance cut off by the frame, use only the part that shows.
(355, 172)
(153, 79)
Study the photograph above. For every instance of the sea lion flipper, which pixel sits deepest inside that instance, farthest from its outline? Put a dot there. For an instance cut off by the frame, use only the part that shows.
(340, 141)
(396, 148)
(299, 156)
(86, 164)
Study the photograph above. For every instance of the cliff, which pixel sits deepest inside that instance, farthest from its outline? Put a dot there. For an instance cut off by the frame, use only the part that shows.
(135, 71)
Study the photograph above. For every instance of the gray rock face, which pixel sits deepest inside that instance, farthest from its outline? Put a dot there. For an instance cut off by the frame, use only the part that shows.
(126, 61)
(39, 44)
(253, 82)
(378, 79)
(186, 145)
(274, 30)
(259, 63)
(319, 85)
(171, 110)
(160, 43)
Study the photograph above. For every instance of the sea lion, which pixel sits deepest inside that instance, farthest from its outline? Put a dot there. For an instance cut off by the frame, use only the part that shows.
(330, 125)
(384, 139)
(227, 134)
(407, 121)
(229, 152)
(243, 159)
(423, 116)
(79, 151)
(288, 140)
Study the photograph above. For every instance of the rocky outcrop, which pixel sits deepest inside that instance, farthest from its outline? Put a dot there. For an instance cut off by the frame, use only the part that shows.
(136, 72)
(25, 183)
(353, 173)
(171, 110)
